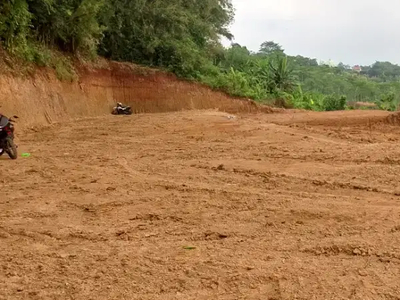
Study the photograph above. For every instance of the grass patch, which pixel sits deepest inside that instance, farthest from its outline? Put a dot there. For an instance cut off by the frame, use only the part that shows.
(25, 62)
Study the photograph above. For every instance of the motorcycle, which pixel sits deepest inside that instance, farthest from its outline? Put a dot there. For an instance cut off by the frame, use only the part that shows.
(7, 137)
(121, 109)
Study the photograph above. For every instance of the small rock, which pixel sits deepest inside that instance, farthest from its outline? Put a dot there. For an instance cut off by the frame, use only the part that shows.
(4, 235)
(120, 232)
(11, 274)
(357, 251)
(362, 273)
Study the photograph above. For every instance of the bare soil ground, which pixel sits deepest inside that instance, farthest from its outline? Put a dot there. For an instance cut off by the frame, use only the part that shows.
(197, 205)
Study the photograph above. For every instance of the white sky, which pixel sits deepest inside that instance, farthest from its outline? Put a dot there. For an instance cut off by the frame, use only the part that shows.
(348, 31)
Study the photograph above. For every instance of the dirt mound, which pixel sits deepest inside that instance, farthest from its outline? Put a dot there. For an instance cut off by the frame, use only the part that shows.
(360, 105)
(43, 99)
(393, 119)
(331, 119)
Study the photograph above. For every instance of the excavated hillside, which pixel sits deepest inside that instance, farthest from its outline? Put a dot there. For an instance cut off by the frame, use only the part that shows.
(43, 99)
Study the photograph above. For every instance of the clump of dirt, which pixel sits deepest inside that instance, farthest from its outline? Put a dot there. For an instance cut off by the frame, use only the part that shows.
(361, 105)
(393, 119)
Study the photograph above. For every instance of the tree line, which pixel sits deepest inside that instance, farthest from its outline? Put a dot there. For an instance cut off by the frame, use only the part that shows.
(183, 36)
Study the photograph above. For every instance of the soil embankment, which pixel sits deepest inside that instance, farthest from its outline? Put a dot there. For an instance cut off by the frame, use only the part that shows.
(43, 99)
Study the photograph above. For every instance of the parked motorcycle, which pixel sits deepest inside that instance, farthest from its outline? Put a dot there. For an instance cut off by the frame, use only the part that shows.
(7, 137)
(122, 109)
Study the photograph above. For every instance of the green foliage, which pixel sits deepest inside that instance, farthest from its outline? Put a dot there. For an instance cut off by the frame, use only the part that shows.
(332, 102)
(180, 35)
(383, 71)
(14, 24)
(237, 83)
(281, 75)
(322, 87)
(183, 36)
(318, 102)
(307, 100)
(70, 25)
(270, 47)
(388, 102)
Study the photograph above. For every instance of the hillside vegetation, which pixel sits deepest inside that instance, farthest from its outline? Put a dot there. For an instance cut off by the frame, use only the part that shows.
(183, 36)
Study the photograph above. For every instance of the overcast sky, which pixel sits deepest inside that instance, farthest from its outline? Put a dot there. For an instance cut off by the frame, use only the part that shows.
(348, 31)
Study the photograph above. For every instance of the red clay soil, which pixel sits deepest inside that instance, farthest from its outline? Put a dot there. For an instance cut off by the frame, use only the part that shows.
(42, 99)
(203, 205)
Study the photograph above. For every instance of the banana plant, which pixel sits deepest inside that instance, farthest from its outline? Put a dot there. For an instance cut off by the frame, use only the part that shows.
(281, 74)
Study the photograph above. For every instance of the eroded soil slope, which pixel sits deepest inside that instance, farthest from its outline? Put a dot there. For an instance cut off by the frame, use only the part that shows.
(197, 205)
(42, 99)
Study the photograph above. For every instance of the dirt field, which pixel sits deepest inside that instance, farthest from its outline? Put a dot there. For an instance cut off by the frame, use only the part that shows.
(197, 205)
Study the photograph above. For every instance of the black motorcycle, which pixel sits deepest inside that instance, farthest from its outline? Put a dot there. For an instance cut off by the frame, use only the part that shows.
(122, 109)
(7, 137)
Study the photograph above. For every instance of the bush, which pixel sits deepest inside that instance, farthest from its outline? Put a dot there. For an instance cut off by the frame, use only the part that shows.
(388, 102)
(15, 20)
(333, 102)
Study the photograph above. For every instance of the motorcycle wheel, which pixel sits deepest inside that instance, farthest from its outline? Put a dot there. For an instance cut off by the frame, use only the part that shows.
(11, 148)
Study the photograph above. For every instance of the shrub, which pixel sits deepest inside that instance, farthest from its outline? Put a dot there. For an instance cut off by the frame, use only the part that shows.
(333, 102)
(388, 102)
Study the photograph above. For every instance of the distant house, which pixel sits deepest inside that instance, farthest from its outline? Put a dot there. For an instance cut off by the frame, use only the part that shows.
(357, 69)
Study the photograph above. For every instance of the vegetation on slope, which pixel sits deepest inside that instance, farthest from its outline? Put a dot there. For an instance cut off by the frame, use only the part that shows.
(183, 36)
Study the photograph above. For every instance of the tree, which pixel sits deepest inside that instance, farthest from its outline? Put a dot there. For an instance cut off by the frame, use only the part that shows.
(176, 34)
(341, 66)
(270, 47)
(70, 25)
(237, 57)
(384, 70)
(303, 61)
(15, 19)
